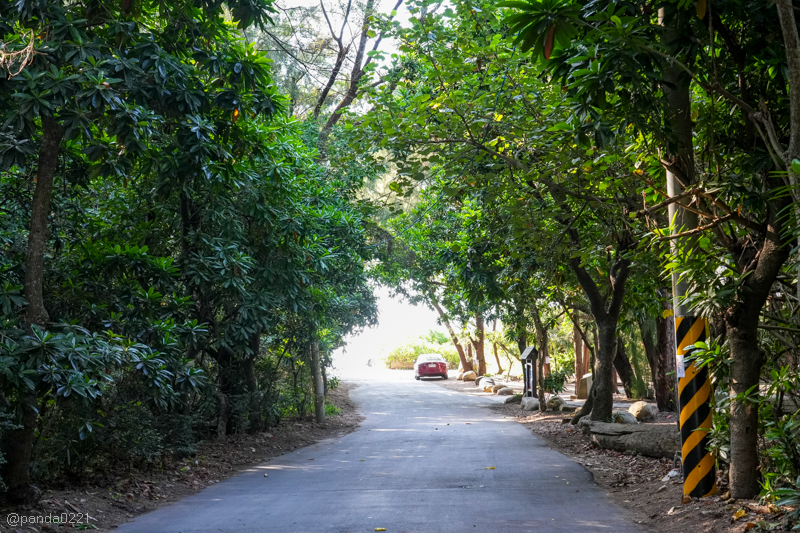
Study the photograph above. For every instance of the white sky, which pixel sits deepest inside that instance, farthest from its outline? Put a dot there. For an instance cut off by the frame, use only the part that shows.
(399, 322)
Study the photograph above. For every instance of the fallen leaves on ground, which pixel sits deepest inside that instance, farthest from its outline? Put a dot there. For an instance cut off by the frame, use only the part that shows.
(110, 500)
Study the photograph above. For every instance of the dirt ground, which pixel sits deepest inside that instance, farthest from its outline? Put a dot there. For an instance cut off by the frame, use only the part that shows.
(120, 499)
(634, 482)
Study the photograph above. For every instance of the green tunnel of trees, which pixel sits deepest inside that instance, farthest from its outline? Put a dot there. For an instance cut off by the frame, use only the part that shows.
(196, 200)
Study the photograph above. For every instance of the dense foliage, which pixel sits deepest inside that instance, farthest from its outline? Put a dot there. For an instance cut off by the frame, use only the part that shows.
(540, 135)
(189, 241)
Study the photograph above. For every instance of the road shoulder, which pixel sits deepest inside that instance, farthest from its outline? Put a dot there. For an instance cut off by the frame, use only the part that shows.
(112, 501)
(633, 482)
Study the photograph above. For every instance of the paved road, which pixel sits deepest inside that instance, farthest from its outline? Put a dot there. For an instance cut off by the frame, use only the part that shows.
(419, 464)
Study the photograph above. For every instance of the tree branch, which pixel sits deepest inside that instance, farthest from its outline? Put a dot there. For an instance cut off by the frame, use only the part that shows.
(698, 229)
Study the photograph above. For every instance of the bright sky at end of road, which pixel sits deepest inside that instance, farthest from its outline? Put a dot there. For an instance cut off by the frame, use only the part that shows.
(399, 322)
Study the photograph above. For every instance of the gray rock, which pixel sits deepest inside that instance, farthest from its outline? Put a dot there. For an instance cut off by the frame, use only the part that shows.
(643, 411)
(497, 386)
(583, 387)
(505, 391)
(517, 398)
(482, 381)
(469, 376)
(555, 402)
(623, 417)
(530, 403)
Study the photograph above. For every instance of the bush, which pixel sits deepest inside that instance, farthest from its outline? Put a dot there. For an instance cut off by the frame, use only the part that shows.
(433, 342)
(331, 409)
(555, 380)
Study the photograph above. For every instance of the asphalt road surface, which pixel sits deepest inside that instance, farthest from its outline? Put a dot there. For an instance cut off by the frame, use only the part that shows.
(425, 460)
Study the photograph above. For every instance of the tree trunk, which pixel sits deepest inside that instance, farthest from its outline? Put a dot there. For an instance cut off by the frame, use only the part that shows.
(319, 392)
(745, 370)
(355, 75)
(19, 447)
(479, 344)
(602, 386)
(522, 342)
(500, 369)
(666, 389)
(223, 415)
(578, 342)
(747, 359)
(650, 351)
(624, 368)
(465, 365)
(255, 420)
(606, 314)
(541, 333)
(494, 348)
(35, 312)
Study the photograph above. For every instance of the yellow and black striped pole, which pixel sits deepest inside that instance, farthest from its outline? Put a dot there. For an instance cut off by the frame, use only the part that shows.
(694, 393)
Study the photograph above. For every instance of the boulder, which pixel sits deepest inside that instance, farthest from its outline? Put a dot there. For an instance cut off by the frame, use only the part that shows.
(482, 381)
(460, 376)
(498, 386)
(555, 402)
(623, 417)
(652, 440)
(488, 388)
(567, 408)
(469, 376)
(643, 411)
(505, 391)
(584, 385)
(529, 403)
(517, 398)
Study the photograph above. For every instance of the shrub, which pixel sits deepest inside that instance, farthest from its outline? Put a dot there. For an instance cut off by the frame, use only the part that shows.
(433, 342)
(331, 409)
(555, 380)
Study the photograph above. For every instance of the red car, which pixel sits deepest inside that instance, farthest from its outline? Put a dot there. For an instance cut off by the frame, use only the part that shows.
(430, 364)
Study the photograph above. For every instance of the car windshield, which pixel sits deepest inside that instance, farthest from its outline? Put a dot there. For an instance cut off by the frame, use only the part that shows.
(430, 359)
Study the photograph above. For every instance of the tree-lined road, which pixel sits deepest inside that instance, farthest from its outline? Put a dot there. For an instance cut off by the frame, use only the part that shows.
(420, 462)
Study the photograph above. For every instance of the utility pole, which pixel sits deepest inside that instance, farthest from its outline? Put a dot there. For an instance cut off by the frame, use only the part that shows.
(694, 386)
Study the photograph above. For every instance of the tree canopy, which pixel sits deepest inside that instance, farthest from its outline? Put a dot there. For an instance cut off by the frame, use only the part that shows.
(197, 199)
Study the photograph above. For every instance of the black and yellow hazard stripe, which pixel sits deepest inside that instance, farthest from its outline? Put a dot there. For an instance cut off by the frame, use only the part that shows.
(694, 391)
